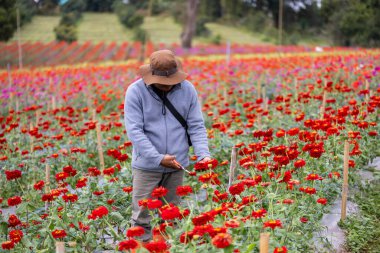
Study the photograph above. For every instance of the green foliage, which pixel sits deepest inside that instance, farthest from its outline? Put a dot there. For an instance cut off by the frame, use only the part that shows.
(8, 19)
(66, 33)
(200, 28)
(128, 15)
(68, 19)
(140, 35)
(99, 5)
(216, 39)
(362, 230)
(74, 6)
(356, 24)
(27, 10)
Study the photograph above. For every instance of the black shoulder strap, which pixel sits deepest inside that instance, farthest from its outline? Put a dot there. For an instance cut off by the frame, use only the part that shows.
(175, 113)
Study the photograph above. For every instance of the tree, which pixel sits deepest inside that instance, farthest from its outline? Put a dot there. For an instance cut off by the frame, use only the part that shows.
(8, 19)
(190, 24)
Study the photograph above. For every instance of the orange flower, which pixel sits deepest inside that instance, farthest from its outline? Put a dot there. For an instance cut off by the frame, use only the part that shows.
(222, 240)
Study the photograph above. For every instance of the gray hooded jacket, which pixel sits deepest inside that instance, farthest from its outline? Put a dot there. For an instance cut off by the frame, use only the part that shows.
(154, 131)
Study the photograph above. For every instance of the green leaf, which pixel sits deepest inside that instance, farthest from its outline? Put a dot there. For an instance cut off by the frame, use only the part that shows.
(116, 216)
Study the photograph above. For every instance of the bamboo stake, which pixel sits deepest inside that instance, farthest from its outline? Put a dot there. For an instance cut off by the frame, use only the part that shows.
(367, 88)
(99, 138)
(345, 180)
(60, 247)
(10, 86)
(232, 166)
(53, 103)
(31, 138)
(264, 242)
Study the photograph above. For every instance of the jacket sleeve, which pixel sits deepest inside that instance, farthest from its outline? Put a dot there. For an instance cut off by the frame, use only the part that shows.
(134, 122)
(196, 127)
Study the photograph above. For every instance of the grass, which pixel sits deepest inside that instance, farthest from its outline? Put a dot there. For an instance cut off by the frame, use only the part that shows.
(97, 27)
(362, 229)
(40, 29)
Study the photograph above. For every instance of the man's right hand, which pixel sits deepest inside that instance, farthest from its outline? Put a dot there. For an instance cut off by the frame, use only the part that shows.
(169, 161)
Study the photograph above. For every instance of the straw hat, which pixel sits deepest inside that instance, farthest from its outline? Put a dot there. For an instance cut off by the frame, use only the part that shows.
(164, 68)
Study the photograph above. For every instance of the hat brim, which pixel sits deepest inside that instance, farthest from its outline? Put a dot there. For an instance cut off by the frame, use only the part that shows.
(146, 73)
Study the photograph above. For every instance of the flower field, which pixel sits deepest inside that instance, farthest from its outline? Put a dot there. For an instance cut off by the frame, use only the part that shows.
(58, 53)
(287, 117)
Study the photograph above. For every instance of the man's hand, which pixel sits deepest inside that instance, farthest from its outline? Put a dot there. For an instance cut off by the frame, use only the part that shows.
(169, 161)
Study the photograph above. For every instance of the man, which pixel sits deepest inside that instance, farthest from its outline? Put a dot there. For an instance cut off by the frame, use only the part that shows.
(160, 142)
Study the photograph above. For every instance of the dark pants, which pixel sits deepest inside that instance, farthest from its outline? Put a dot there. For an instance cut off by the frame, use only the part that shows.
(143, 184)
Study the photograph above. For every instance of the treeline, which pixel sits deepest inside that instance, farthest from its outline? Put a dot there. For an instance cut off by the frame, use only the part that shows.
(345, 22)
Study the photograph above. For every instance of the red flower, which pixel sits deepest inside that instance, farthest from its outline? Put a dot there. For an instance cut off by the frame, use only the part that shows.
(58, 233)
(322, 201)
(313, 177)
(47, 197)
(184, 190)
(272, 224)
(12, 174)
(8, 245)
(127, 189)
(259, 213)
(156, 247)
(93, 171)
(154, 203)
(159, 192)
(99, 212)
(202, 165)
(61, 176)
(135, 231)
(222, 240)
(236, 189)
(299, 163)
(232, 224)
(14, 201)
(202, 219)
(304, 219)
(70, 197)
(16, 235)
(82, 182)
(310, 190)
(282, 249)
(170, 212)
(39, 185)
(128, 244)
(13, 221)
(109, 171)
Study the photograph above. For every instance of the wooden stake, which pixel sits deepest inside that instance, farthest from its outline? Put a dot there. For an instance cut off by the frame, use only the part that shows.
(47, 183)
(60, 247)
(367, 88)
(53, 103)
(31, 138)
(100, 148)
(232, 166)
(322, 112)
(264, 242)
(345, 180)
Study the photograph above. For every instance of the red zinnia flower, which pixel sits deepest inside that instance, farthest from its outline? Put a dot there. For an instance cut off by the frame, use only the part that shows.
(127, 189)
(259, 213)
(322, 201)
(154, 203)
(58, 233)
(16, 235)
(184, 190)
(8, 245)
(99, 212)
(299, 163)
(13, 221)
(12, 174)
(232, 224)
(14, 201)
(236, 189)
(70, 197)
(272, 224)
(202, 165)
(170, 212)
(159, 192)
(156, 247)
(222, 240)
(310, 190)
(313, 177)
(128, 244)
(39, 185)
(135, 231)
(202, 219)
(282, 249)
